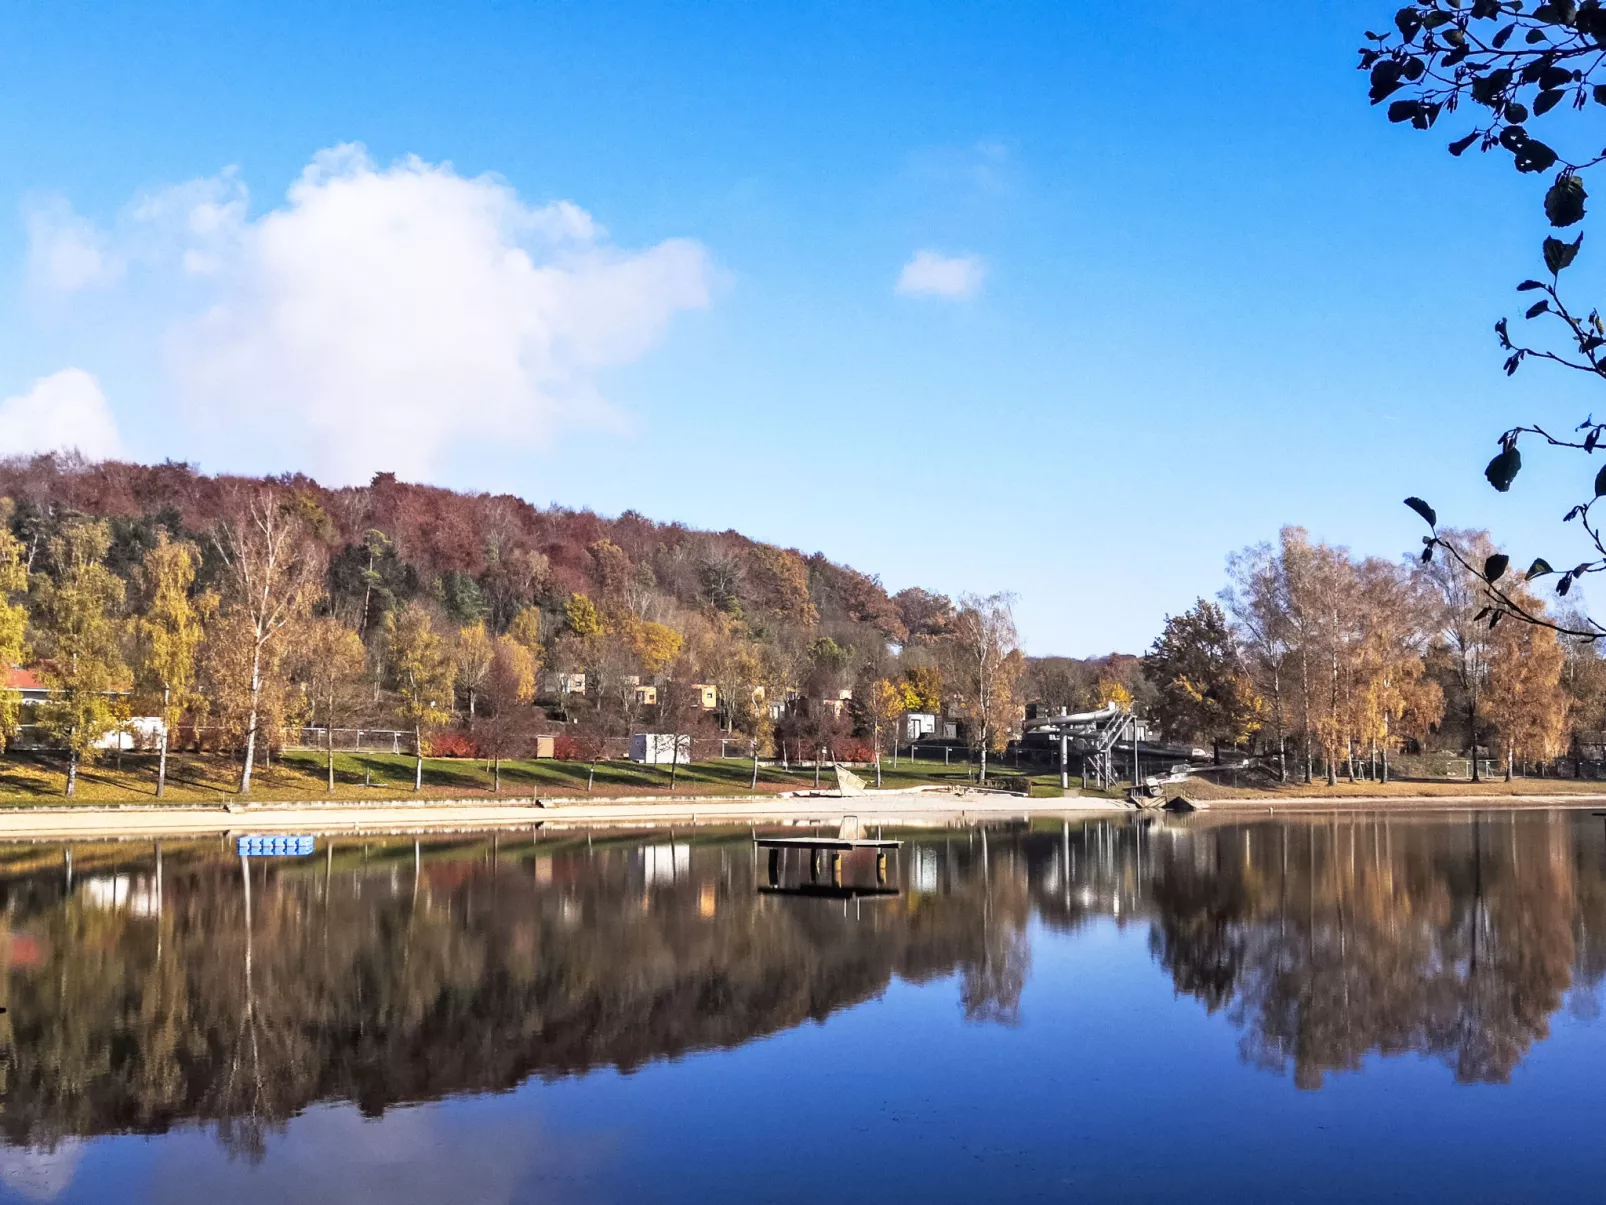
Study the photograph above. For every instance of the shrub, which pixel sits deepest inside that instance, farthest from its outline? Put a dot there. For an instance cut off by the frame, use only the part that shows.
(566, 748)
(452, 744)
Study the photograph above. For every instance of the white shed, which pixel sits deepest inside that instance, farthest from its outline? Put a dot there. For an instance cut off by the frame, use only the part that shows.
(658, 748)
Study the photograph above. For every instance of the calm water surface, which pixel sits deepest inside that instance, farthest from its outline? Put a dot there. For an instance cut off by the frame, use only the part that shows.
(1329, 1009)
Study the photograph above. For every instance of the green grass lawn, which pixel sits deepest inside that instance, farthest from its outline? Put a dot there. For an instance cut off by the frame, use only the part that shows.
(28, 778)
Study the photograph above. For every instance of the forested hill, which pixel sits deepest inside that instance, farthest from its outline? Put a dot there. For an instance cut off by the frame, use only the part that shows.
(481, 556)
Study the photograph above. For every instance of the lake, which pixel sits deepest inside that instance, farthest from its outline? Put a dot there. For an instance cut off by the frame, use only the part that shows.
(1334, 1008)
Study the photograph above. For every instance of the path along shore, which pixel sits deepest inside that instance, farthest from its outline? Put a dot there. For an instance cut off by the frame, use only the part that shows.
(931, 808)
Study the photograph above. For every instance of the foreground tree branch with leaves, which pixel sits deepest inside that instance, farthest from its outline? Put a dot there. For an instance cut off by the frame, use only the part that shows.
(1510, 66)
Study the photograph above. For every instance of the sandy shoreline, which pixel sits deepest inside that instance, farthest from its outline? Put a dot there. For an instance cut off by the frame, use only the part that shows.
(900, 808)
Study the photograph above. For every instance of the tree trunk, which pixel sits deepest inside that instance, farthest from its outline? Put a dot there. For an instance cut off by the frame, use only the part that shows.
(496, 775)
(331, 732)
(591, 777)
(251, 719)
(982, 780)
(72, 773)
(1472, 729)
(161, 753)
(1510, 753)
(418, 758)
(674, 759)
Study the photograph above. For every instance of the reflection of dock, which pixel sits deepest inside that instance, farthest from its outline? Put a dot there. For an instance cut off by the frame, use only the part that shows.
(829, 891)
(823, 843)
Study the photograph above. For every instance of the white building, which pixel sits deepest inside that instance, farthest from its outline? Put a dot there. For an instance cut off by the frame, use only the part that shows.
(658, 748)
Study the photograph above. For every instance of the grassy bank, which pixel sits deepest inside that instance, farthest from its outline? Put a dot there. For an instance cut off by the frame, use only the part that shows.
(35, 779)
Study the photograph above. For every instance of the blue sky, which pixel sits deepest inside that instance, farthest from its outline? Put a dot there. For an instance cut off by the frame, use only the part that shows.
(1188, 286)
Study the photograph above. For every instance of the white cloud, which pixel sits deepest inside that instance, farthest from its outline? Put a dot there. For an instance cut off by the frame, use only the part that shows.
(65, 252)
(65, 411)
(384, 318)
(932, 274)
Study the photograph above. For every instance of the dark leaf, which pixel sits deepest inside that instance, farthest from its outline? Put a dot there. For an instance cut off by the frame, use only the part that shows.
(1494, 568)
(1483, 614)
(1495, 618)
(1504, 36)
(1533, 156)
(1426, 115)
(1600, 94)
(1502, 470)
(1460, 145)
(1565, 584)
(1429, 516)
(1539, 568)
(1437, 20)
(1414, 69)
(1516, 112)
(1537, 308)
(1572, 514)
(1404, 110)
(1546, 101)
(1559, 255)
(1564, 201)
(1592, 439)
(1381, 92)
(1427, 554)
(1600, 481)
(1554, 77)
(1407, 22)
(1535, 36)
(1529, 286)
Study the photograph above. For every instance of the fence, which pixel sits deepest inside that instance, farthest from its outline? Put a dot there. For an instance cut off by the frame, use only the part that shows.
(351, 740)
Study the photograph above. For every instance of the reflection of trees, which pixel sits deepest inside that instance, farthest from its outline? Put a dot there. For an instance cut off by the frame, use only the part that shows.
(237, 1007)
(1333, 940)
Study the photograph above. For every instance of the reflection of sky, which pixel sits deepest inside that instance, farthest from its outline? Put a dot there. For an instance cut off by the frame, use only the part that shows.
(39, 1174)
(491, 1149)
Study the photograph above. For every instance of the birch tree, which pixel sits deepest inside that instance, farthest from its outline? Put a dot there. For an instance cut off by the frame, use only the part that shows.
(509, 686)
(421, 672)
(987, 667)
(272, 570)
(333, 666)
(471, 661)
(1462, 625)
(1258, 601)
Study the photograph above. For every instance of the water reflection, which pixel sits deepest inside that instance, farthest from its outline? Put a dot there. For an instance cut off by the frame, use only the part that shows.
(147, 990)
(394, 972)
